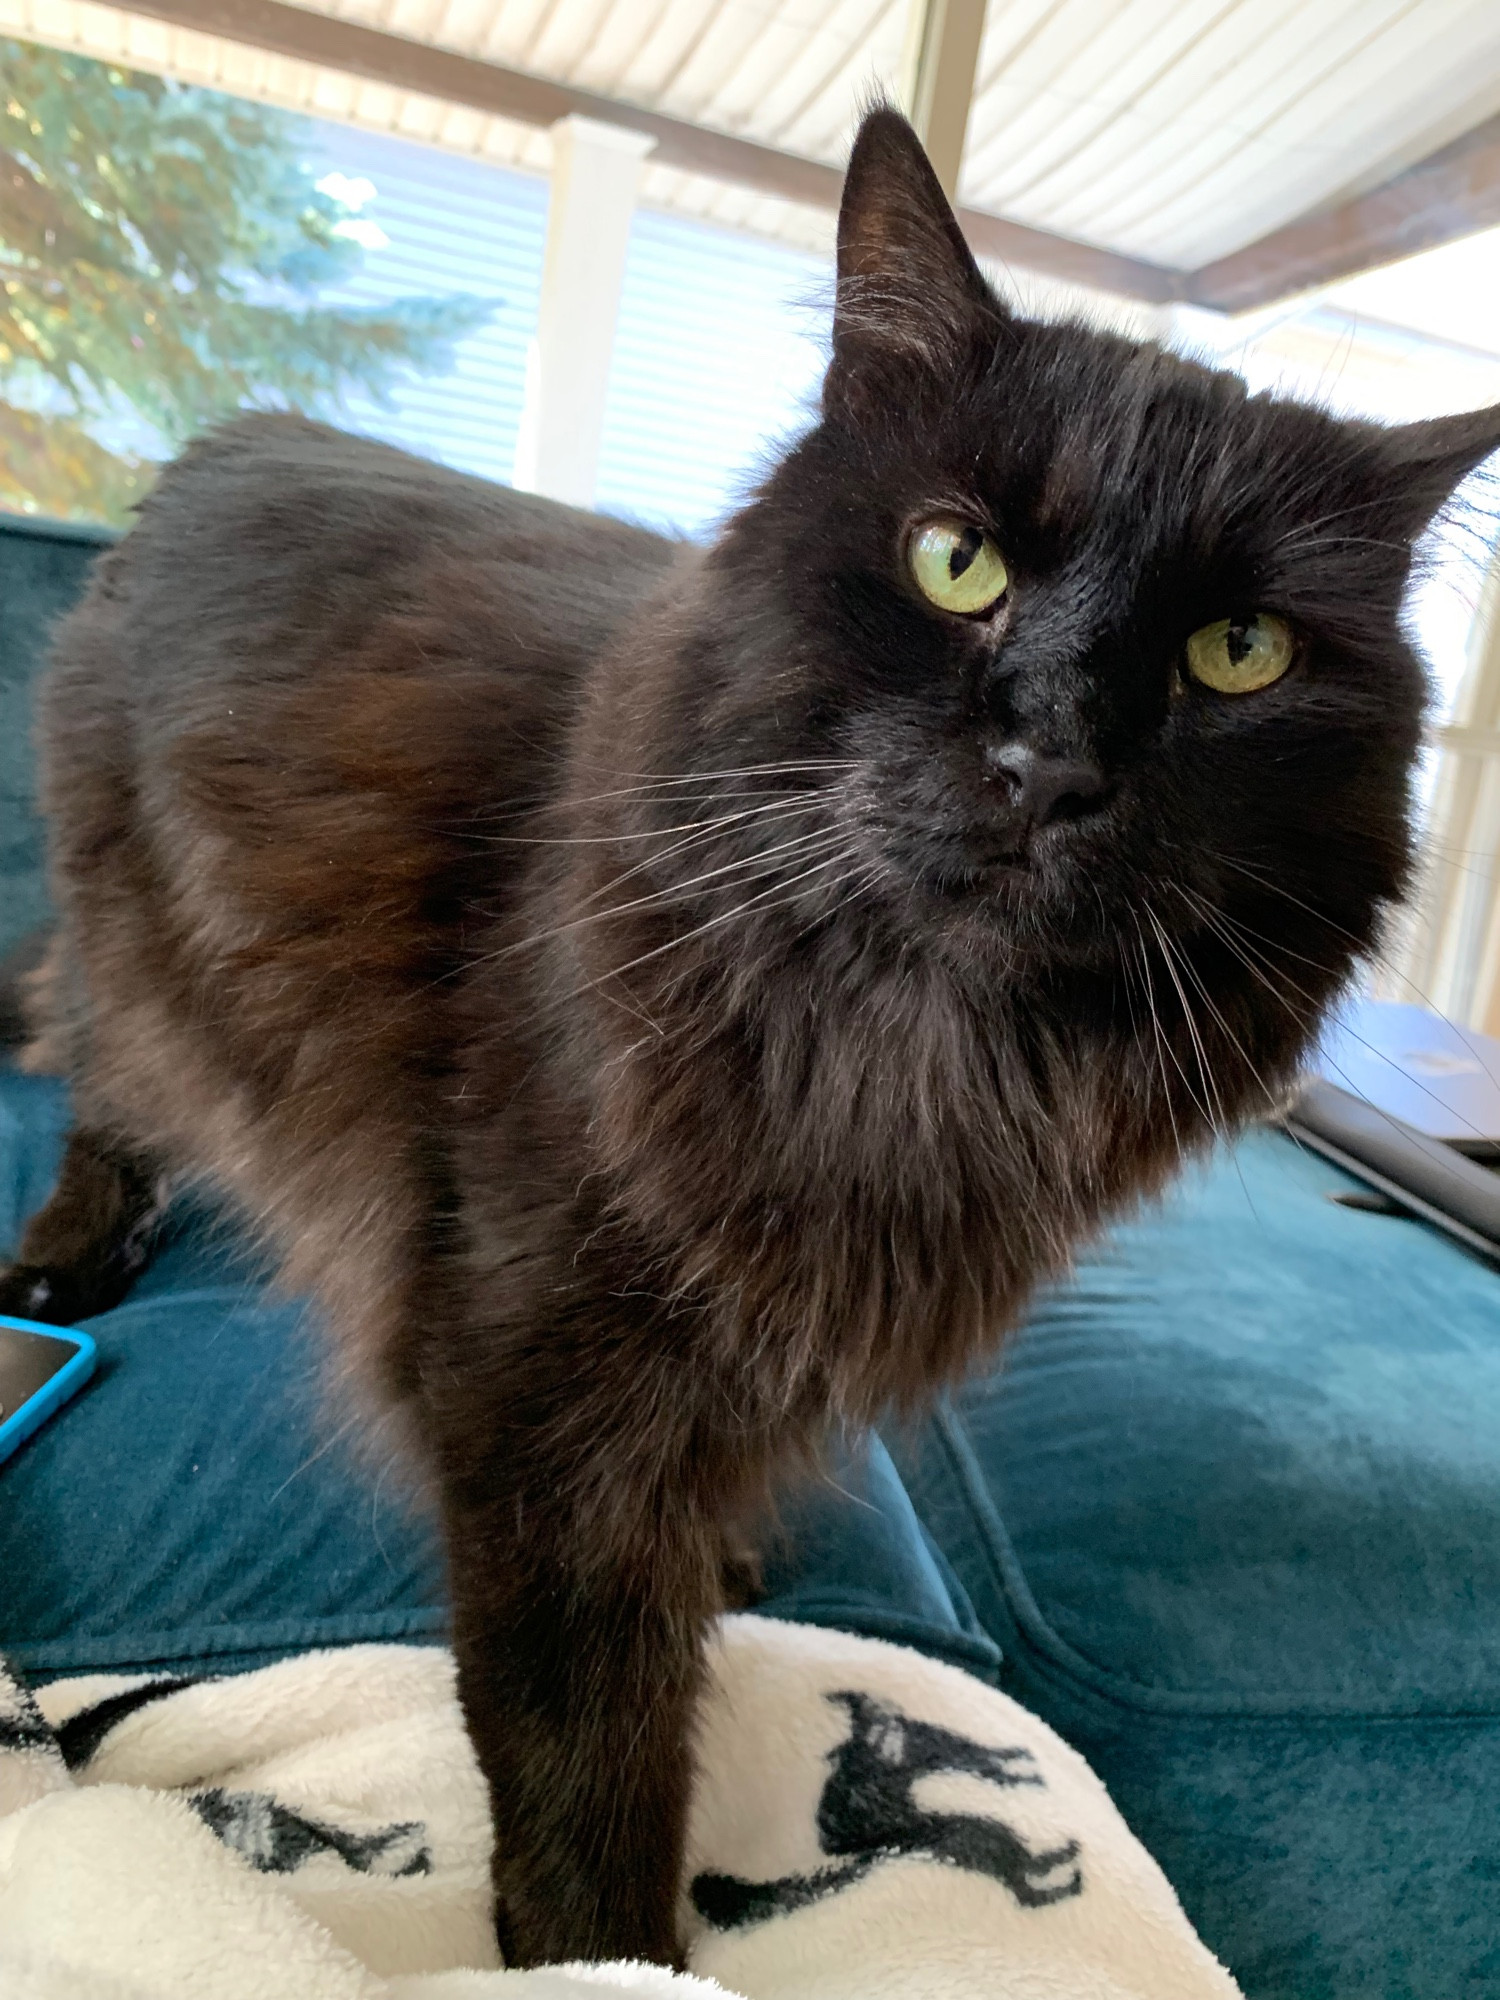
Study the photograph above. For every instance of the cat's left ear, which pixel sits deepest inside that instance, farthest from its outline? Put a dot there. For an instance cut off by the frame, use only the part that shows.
(910, 295)
(1428, 460)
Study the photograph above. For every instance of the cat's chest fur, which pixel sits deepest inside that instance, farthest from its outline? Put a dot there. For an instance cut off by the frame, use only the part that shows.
(837, 1183)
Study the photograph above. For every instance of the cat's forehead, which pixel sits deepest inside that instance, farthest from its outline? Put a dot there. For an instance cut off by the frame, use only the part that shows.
(1099, 402)
(1098, 426)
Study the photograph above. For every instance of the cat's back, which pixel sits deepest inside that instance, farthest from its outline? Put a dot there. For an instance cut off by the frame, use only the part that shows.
(290, 742)
(274, 546)
(316, 660)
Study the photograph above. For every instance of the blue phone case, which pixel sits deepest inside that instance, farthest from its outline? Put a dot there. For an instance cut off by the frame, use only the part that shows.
(17, 1427)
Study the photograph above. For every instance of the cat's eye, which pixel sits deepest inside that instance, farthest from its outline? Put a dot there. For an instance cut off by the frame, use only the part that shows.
(956, 566)
(1239, 655)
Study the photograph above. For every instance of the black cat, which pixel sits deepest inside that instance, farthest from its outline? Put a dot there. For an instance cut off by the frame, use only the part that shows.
(663, 1001)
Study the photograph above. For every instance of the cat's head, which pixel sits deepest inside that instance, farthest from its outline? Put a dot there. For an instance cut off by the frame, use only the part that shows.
(1072, 645)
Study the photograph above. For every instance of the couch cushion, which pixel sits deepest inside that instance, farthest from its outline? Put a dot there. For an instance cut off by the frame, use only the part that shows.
(1232, 1511)
(1250, 1457)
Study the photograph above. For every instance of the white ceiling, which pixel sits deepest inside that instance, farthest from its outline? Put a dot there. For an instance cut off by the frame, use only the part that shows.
(1179, 130)
(1175, 130)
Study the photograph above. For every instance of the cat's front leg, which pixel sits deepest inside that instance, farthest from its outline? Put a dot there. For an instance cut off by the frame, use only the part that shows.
(578, 1653)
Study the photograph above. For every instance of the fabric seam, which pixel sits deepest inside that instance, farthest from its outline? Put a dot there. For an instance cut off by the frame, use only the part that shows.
(1048, 1651)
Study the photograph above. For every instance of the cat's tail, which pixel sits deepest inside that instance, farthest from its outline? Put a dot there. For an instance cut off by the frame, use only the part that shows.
(25, 975)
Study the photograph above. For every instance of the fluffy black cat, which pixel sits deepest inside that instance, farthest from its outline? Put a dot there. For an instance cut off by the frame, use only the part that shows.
(666, 1002)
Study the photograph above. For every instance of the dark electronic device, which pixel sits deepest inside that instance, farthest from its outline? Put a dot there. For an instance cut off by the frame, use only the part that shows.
(1409, 1104)
(40, 1367)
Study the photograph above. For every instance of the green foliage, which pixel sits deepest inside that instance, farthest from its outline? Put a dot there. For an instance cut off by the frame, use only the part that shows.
(161, 249)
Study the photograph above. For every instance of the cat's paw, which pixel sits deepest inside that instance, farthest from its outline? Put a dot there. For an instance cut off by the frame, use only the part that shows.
(28, 1291)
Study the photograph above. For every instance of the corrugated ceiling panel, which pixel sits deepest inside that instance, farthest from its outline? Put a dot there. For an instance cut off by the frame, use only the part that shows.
(1281, 149)
(1171, 129)
(116, 35)
(1176, 130)
(1179, 130)
(787, 73)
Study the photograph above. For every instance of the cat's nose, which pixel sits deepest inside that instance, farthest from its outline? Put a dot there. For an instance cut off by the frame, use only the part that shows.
(1043, 788)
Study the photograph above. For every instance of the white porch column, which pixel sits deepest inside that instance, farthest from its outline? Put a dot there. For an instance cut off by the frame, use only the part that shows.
(596, 170)
(937, 79)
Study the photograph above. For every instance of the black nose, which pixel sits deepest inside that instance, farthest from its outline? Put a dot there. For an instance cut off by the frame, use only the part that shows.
(1044, 788)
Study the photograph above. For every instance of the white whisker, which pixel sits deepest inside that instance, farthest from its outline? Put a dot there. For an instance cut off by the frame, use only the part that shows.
(726, 916)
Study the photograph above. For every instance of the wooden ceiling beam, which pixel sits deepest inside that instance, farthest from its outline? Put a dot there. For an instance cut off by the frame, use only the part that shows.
(1452, 193)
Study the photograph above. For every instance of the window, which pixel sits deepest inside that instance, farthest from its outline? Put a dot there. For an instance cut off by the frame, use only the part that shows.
(390, 287)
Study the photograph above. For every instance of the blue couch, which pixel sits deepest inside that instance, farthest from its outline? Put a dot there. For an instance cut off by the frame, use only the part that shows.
(1228, 1517)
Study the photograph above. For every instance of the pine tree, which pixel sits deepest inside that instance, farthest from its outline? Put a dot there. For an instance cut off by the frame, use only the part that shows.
(161, 252)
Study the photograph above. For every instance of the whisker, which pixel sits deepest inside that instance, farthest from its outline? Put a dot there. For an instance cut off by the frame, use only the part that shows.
(787, 802)
(1277, 888)
(1339, 1071)
(551, 802)
(722, 917)
(1200, 1052)
(671, 892)
(1302, 545)
(1347, 1028)
(1128, 968)
(781, 803)
(1159, 1036)
(644, 867)
(1199, 1103)
(1405, 978)
(1294, 536)
(1191, 971)
(1196, 903)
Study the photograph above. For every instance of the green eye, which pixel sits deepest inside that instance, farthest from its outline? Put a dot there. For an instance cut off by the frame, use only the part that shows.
(1239, 655)
(956, 566)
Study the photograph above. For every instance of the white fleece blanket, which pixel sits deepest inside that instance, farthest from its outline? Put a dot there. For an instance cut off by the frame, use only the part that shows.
(868, 1825)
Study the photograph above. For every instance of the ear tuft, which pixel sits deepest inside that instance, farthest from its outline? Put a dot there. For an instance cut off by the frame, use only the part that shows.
(909, 290)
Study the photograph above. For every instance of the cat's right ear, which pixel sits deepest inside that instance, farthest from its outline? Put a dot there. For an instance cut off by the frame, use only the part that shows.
(910, 296)
(1425, 461)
